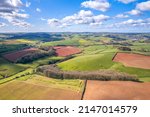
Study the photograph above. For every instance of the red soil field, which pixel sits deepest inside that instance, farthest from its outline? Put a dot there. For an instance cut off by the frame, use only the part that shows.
(116, 90)
(66, 50)
(133, 60)
(15, 55)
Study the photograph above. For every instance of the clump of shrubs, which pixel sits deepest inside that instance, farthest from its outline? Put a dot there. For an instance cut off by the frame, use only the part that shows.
(123, 48)
(34, 56)
(104, 75)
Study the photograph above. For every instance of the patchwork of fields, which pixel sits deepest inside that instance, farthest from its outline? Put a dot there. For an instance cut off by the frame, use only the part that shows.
(74, 52)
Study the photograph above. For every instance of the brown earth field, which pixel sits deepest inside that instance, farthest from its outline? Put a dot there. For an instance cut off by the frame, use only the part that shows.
(15, 55)
(20, 90)
(66, 50)
(116, 90)
(133, 60)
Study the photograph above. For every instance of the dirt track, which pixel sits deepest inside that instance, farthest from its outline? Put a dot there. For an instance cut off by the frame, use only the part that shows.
(133, 60)
(117, 90)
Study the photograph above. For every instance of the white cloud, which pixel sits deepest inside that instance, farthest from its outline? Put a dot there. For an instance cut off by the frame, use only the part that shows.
(2, 24)
(82, 17)
(132, 23)
(126, 1)
(84, 13)
(101, 5)
(100, 18)
(54, 22)
(10, 11)
(143, 6)
(134, 12)
(10, 5)
(13, 15)
(20, 23)
(28, 4)
(38, 10)
(121, 16)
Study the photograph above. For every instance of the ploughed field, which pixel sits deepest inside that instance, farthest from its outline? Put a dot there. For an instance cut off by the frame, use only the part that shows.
(41, 88)
(133, 60)
(66, 50)
(16, 55)
(116, 90)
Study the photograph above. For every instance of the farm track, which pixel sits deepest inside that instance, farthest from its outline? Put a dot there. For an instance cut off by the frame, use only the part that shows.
(84, 89)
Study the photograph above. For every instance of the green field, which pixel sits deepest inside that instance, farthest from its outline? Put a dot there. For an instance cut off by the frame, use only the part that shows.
(8, 69)
(5, 48)
(74, 42)
(143, 48)
(101, 61)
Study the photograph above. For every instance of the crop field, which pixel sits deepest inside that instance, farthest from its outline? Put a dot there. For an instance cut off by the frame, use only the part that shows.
(66, 51)
(41, 88)
(116, 90)
(15, 55)
(133, 60)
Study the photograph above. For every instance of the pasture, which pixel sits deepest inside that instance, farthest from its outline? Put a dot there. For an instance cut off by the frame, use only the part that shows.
(7, 69)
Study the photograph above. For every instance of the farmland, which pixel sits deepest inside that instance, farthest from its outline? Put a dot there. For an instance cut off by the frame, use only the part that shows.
(38, 87)
(133, 60)
(116, 90)
(66, 51)
(16, 55)
(93, 56)
(8, 69)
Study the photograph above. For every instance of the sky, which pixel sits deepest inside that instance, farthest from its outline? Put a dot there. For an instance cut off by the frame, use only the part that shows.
(74, 15)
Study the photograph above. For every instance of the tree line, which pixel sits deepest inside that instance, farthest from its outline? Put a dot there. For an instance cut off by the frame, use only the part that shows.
(104, 75)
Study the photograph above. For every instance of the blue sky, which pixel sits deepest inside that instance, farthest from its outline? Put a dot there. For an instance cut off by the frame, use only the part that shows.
(75, 15)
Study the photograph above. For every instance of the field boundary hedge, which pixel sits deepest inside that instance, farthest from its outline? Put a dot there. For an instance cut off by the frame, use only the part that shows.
(103, 75)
